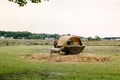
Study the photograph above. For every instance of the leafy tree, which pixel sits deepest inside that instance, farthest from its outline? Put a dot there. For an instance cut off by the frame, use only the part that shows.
(90, 38)
(24, 2)
(56, 36)
(2, 33)
(97, 38)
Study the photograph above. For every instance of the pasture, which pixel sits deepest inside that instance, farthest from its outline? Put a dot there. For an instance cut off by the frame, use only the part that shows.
(13, 66)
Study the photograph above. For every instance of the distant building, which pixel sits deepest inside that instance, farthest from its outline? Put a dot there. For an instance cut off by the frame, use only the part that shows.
(49, 38)
(2, 37)
(9, 38)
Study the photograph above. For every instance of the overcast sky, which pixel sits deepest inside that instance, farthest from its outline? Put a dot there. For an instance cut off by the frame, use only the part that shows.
(76, 17)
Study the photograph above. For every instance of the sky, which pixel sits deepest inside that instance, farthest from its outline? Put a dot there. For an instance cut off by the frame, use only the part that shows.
(86, 18)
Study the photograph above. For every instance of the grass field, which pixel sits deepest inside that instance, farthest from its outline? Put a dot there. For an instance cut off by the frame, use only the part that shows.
(28, 42)
(14, 67)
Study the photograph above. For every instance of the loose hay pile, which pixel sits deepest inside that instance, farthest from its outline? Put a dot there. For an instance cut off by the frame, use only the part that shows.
(86, 57)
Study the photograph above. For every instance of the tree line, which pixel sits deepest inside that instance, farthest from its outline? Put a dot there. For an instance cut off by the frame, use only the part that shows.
(27, 35)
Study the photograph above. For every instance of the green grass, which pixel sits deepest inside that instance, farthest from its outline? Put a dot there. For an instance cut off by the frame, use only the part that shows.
(28, 42)
(13, 67)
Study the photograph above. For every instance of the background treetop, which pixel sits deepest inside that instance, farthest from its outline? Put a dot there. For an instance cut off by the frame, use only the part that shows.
(24, 2)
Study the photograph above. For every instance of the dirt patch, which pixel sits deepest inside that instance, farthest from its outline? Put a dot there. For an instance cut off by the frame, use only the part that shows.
(86, 57)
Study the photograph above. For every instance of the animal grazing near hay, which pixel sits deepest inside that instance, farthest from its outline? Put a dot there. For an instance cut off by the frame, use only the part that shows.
(54, 50)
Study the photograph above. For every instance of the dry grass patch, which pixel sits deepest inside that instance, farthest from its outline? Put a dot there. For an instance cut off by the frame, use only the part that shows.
(86, 57)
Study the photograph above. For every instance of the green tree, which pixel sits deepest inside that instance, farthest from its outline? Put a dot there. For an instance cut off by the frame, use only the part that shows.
(97, 38)
(90, 38)
(24, 2)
